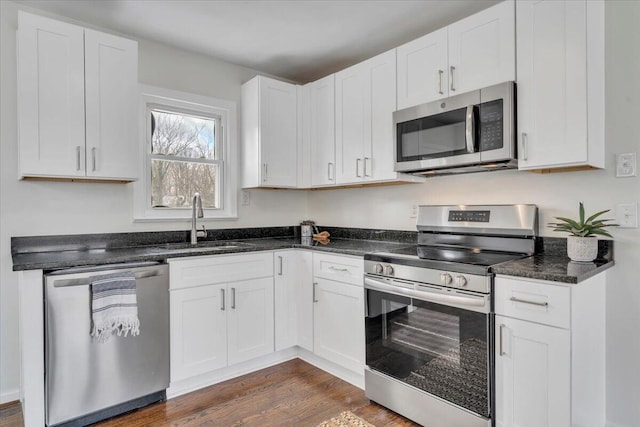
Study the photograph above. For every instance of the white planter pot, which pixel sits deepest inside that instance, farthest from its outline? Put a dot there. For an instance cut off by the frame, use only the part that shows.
(582, 249)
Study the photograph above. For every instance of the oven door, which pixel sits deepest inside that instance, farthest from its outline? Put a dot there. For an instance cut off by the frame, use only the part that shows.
(433, 339)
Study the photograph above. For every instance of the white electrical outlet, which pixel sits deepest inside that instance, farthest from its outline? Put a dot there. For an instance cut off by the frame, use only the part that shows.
(627, 215)
(414, 211)
(246, 198)
(625, 165)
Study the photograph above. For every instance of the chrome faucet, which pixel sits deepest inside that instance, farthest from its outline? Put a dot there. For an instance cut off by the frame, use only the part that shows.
(195, 233)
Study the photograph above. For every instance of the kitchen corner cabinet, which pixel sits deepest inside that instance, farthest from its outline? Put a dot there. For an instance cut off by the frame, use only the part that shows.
(365, 101)
(560, 84)
(292, 280)
(338, 310)
(269, 133)
(221, 312)
(322, 133)
(77, 102)
(470, 54)
(550, 352)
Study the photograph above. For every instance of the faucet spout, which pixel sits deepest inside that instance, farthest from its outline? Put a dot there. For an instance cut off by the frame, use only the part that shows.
(196, 212)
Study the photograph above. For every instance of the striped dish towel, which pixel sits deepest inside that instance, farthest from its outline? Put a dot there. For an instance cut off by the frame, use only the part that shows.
(114, 308)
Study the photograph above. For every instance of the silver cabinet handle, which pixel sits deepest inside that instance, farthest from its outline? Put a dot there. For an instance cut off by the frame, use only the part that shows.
(78, 150)
(440, 74)
(222, 306)
(280, 261)
(453, 70)
(524, 301)
(358, 168)
(264, 167)
(525, 148)
(365, 165)
(328, 171)
(86, 281)
(93, 159)
(344, 270)
(233, 298)
(314, 292)
(501, 350)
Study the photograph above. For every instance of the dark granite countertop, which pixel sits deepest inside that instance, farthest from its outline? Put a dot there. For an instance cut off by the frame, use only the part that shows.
(552, 267)
(50, 260)
(56, 252)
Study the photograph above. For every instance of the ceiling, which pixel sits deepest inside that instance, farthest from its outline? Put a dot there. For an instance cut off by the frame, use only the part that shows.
(299, 40)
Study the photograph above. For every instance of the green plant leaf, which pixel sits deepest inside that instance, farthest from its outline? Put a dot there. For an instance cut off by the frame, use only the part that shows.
(569, 221)
(595, 215)
(581, 213)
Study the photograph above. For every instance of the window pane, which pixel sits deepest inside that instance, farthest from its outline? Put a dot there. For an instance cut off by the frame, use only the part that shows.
(173, 184)
(183, 135)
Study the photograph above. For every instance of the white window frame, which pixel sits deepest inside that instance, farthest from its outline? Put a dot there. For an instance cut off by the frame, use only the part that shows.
(156, 97)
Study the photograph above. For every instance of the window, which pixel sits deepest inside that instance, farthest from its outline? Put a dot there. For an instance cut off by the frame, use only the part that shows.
(188, 147)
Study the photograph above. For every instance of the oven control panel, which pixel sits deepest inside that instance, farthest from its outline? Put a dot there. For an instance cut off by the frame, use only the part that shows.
(407, 273)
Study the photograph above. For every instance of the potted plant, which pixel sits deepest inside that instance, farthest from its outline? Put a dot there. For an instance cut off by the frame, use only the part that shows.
(582, 243)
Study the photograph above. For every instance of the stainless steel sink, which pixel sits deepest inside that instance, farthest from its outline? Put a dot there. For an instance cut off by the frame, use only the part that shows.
(203, 247)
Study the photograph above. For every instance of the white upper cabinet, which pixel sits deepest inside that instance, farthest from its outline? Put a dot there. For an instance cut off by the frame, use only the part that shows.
(322, 131)
(470, 54)
(365, 101)
(77, 107)
(560, 84)
(423, 69)
(269, 133)
(482, 49)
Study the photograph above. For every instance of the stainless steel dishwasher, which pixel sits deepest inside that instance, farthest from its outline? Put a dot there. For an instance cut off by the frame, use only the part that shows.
(86, 381)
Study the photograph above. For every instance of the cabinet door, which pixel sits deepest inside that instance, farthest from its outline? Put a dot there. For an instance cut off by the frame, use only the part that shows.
(482, 49)
(338, 321)
(250, 319)
(353, 123)
(379, 158)
(533, 374)
(285, 299)
(111, 80)
(198, 331)
(50, 97)
(278, 133)
(552, 82)
(423, 70)
(323, 135)
(305, 297)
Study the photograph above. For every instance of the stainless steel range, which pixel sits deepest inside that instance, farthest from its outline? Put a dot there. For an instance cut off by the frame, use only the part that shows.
(429, 316)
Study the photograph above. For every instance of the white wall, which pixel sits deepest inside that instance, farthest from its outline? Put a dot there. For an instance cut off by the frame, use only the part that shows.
(555, 194)
(44, 208)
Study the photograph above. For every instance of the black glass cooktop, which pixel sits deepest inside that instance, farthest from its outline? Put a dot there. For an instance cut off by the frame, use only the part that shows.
(454, 259)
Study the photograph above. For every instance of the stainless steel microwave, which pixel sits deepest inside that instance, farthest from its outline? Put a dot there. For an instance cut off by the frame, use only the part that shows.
(471, 132)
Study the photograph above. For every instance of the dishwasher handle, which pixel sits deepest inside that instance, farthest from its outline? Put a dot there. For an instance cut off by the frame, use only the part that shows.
(85, 281)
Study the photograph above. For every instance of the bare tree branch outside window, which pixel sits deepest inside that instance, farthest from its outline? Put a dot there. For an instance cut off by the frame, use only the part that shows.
(184, 160)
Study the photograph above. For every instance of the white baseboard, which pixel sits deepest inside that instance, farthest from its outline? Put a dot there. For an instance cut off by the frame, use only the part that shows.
(612, 424)
(188, 385)
(9, 396)
(330, 367)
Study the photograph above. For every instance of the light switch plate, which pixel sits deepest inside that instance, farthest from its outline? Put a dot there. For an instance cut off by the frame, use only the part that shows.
(625, 165)
(627, 215)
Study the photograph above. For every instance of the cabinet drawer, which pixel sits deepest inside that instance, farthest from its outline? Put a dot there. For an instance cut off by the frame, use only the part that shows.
(341, 268)
(185, 273)
(534, 301)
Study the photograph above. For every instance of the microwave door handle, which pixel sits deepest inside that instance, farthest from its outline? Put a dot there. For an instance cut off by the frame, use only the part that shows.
(470, 129)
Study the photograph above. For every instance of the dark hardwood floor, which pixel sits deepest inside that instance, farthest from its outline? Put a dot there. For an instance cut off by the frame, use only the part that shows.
(293, 393)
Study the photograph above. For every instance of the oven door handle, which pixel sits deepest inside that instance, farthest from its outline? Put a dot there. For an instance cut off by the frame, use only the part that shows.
(470, 302)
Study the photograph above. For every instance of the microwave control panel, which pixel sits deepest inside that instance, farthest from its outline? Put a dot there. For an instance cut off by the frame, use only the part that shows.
(491, 125)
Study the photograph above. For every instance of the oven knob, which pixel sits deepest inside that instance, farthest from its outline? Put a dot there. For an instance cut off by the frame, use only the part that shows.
(388, 270)
(461, 281)
(378, 268)
(445, 278)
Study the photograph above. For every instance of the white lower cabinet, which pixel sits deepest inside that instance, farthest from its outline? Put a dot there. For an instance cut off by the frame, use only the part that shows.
(222, 312)
(338, 315)
(533, 366)
(550, 353)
